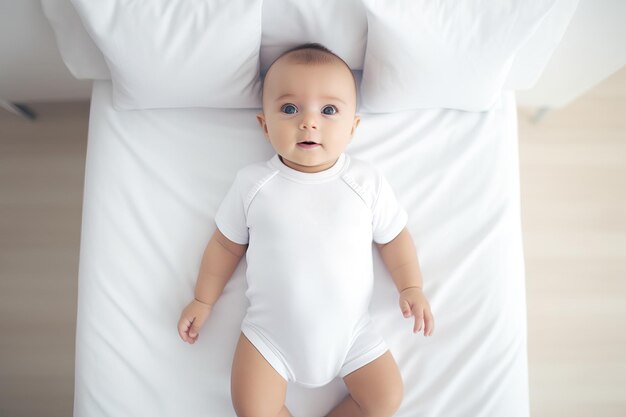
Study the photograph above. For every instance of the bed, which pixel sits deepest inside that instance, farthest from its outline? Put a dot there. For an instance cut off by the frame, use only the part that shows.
(156, 173)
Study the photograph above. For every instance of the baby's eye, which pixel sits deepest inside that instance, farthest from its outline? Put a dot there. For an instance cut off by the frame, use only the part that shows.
(289, 108)
(329, 110)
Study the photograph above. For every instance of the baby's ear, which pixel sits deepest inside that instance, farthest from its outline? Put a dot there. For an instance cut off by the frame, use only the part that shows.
(357, 120)
(260, 117)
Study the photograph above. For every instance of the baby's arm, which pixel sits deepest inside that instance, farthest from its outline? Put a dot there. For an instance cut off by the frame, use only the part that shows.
(400, 257)
(219, 261)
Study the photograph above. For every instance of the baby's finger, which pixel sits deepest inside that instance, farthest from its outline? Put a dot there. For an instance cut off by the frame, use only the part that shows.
(182, 329)
(194, 330)
(406, 308)
(419, 318)
(429, 323)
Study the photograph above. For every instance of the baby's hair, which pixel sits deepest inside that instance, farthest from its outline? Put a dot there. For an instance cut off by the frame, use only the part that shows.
(314, 54)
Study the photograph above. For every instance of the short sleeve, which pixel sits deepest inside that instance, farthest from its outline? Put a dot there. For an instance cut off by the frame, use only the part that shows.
(231, 215)
(389, 218)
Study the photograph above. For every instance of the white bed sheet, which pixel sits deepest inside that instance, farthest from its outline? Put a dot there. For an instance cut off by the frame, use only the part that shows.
(153, 182)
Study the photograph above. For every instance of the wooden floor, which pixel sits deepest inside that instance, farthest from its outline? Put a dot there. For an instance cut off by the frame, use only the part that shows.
(573, 182)
(573, 186)
(41, 190)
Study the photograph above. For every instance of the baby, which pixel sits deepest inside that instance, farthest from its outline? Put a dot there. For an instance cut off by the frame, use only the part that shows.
(306, 219)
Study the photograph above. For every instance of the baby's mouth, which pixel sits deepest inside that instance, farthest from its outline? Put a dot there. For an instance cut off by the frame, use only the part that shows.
(308, 144)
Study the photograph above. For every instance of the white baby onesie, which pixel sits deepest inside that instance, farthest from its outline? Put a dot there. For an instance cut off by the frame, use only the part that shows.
(309, 262)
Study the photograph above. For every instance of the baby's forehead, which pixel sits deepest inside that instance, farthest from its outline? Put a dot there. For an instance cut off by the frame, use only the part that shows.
(291, 63)
(275, 79)
(287, 65)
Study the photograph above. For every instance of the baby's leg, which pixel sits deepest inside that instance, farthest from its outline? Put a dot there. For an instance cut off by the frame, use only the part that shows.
(376, 390)
(257, 390)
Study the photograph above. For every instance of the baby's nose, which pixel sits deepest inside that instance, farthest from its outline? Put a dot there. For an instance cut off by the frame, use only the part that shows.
(308, 122)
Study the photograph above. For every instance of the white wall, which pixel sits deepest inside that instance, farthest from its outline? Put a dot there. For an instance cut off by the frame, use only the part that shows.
(593, 48)
(31, 68)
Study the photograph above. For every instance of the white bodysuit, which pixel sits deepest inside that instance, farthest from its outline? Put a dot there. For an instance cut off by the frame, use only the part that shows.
(310, 276)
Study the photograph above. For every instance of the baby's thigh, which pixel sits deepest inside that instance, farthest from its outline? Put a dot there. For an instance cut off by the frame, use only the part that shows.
(256, 388)
(377, 387)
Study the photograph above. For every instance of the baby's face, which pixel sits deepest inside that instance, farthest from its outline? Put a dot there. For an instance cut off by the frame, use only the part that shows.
(314, 103)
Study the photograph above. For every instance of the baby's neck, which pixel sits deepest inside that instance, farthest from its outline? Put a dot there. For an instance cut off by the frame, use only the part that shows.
(294, 166)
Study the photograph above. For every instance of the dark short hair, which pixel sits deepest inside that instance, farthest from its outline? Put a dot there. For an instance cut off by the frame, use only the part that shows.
(311, 53)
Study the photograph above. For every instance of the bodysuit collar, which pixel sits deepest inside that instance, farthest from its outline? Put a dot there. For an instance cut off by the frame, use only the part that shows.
(322, 176)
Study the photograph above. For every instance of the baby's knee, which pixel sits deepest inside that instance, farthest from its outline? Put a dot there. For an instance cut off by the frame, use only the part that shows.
(253, 403)
(386, 407)
(385, 404)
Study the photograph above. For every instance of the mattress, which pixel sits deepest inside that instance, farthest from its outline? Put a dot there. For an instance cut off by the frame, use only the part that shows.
(153, 182)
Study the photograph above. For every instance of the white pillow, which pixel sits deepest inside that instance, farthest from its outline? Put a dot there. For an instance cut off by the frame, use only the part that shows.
(533, 57)
(80, 55)
(443, 54)
(341, 26)
(178, 53)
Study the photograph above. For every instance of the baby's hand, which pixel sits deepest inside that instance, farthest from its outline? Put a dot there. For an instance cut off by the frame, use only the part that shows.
(413, 302)
(191, 320)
